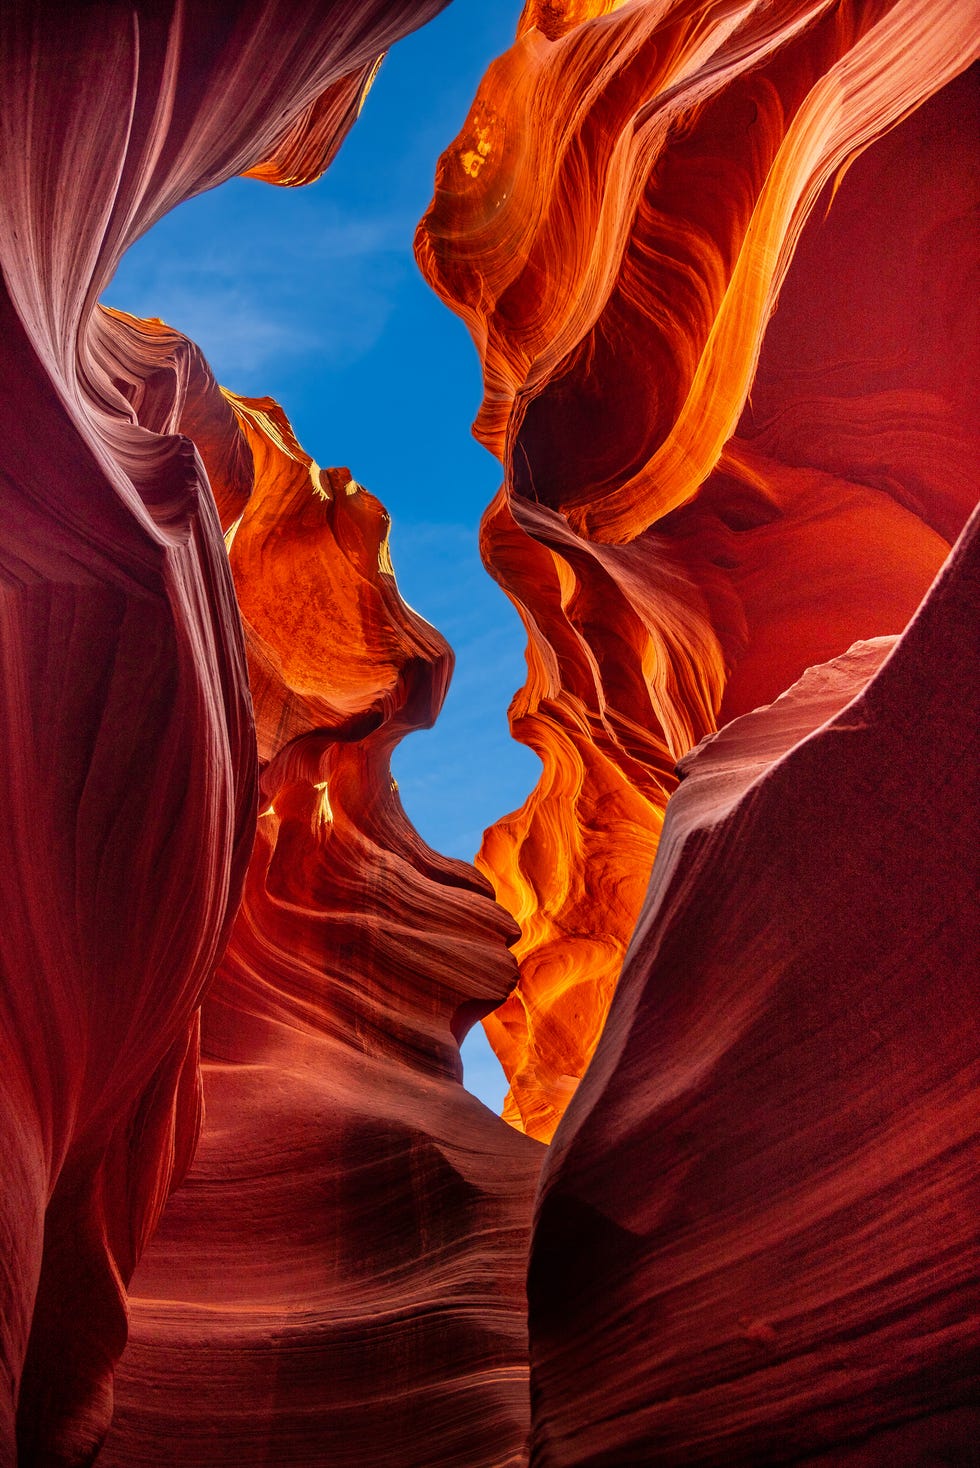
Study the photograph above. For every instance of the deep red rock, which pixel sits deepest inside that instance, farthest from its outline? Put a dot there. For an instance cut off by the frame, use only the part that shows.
(129, 755)
(766, 1187)
(718, 275)
(345, 1265)
(715, 257)
(699, 501)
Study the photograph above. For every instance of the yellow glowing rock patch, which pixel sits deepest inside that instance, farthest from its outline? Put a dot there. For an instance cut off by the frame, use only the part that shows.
(474, 158)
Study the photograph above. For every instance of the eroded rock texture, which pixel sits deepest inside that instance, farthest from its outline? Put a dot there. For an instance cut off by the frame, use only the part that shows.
(129, 788)
(342, 1277)
(719, 263)
(790, 1080)
(635, 189)
(715, 258)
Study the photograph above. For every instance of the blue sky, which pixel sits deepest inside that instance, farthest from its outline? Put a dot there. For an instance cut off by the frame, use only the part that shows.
(312, 295)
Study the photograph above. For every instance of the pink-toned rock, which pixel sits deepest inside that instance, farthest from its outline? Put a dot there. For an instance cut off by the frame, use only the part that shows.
(345, 1266)
(129, 763)
(766, 1188)
(718, 265)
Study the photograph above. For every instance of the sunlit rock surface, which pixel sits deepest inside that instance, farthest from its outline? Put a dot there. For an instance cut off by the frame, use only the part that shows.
(721, 275)
(737, 430)
(767, 1185)
(716, 258)
(129, 769)
(345, 1265)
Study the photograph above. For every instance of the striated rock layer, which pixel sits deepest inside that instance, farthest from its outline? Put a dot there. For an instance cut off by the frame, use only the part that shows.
(129, 784)
(702, 498)
(734, 394)
(767, 1187)
(720, 263)
(342, 1276)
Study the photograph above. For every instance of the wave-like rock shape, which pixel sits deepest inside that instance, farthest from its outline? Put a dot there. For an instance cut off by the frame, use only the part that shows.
(344, 1267)
(699, 501)
(755, 1238)
(790, 1080)
(129, 769)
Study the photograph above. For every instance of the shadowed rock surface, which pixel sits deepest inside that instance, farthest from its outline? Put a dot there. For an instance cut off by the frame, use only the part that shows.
(129, 751)
(767, 1185)
(735, 428)
(342, 1277)
(716, 258)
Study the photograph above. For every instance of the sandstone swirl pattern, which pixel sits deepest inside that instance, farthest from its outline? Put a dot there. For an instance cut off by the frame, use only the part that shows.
(701, 497)
(718, 261)
(790, 1082)
(715, 257)
(344, 1267)
(130, 789)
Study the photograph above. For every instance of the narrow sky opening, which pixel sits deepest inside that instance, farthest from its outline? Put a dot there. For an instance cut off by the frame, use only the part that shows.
(313, 297)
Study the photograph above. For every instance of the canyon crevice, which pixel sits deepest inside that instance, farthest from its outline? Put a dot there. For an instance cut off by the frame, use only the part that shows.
(716, 260)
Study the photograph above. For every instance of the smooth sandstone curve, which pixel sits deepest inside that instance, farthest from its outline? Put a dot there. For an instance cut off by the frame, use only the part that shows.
(714, 259)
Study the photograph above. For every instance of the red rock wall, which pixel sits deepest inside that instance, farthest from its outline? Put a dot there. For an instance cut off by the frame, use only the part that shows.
(789, 1081)
(129, 768)
(715, 259)
(720, 274)
(701, 498)
(343, 1275)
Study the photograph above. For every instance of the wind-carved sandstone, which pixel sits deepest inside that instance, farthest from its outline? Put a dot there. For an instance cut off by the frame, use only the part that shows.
(715, 258)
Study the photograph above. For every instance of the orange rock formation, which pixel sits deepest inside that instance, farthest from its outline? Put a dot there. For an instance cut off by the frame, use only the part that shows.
(767, 1184)
(129, 780)
(714, 255)
(345, 1264)
(702, 498)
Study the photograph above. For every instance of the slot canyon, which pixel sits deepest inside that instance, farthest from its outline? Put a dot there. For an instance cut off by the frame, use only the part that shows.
(718, 261)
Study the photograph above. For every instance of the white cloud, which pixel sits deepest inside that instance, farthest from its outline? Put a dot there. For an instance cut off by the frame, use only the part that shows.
(257, 286)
